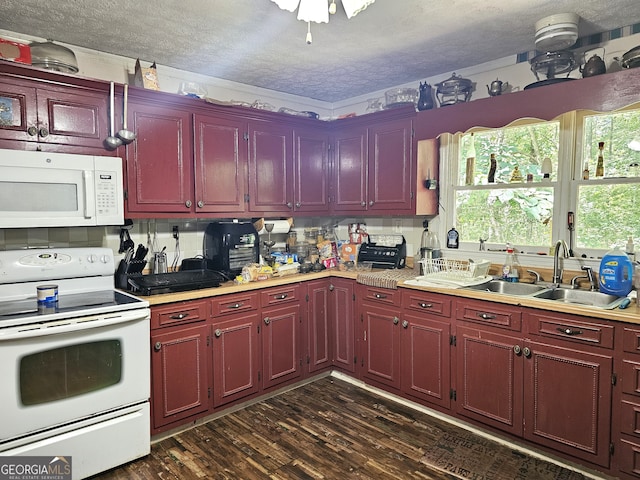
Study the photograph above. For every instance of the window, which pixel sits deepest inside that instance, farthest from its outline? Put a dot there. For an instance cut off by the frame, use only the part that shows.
(532, 212)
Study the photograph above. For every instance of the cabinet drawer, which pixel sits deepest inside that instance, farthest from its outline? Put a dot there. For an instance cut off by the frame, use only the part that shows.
(569, 328)
(230, 304)
(631, 377)
(502, 316)
(426, 302)
(631, 340)
(280, 295)
(630, 419)
(178, 313)
(384, 296)
(629, 460)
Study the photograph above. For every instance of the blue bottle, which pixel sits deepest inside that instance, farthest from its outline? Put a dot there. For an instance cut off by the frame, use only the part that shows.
(616, 273)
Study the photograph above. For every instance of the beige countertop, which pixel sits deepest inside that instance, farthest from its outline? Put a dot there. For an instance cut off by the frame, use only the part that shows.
(628, 315)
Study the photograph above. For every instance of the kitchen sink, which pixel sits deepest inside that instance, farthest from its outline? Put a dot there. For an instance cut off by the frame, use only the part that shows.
(508, 288)
(580, 297)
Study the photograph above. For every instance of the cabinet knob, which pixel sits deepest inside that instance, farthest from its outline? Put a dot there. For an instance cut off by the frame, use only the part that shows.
(527, 352)
(157, 347)
(517, 350)
(188, 204)
(43, 132)
(363, 204)
(218, 332)
(396, 320)
(32, 131)
(371, 202)
(298, 204)
(331, 288)
(200, 204)
(267, 320)
(289, 205)
(405, 324)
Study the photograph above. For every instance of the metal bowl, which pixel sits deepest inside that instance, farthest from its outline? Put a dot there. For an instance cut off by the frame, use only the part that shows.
(54, 57)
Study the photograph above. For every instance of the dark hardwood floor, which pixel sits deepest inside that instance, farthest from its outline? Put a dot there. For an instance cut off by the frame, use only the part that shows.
(328, 429)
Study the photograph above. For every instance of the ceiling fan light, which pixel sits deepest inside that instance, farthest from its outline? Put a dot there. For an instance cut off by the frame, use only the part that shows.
(353, 7)
(332, 7)
(314, 11)
(289, 5)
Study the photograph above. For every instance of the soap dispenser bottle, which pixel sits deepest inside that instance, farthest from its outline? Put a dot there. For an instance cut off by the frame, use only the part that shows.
(510, 267)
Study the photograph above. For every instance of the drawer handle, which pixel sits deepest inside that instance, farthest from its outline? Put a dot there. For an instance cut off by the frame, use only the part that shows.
(235, 305)
(486, 316)
(426, 305)
(380, 296)
(179, 316)
(218, 333)
(281, 296)
(569, 331)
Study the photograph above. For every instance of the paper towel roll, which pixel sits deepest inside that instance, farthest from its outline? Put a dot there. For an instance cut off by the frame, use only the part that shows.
(279, 226)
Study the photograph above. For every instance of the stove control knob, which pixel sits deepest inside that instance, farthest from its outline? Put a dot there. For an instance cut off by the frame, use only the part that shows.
(92, 258)
(104, 258)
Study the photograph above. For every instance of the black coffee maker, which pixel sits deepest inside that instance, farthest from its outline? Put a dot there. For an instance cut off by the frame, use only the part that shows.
(229, 246)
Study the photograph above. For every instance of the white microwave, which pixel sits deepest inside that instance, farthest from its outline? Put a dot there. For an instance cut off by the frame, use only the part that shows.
(40, 189)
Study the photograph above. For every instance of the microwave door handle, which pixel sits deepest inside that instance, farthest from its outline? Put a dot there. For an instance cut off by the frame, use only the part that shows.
(89, 194)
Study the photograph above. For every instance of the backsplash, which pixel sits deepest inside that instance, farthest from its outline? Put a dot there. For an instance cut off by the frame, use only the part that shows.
(191, 234)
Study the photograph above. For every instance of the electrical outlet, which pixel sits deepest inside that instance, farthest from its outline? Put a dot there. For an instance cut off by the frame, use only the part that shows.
(397, 225)
(176, 232)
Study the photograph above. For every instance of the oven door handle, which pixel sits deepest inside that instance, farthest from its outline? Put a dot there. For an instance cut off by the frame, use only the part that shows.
(57, 327)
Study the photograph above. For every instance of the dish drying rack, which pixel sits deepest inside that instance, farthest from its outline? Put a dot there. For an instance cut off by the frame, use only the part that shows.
(452, 270)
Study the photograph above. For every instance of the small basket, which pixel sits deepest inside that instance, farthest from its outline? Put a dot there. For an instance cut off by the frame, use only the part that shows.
(451, 269)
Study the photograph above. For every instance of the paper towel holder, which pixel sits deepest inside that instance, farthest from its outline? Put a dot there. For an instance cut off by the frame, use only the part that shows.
(279, 225)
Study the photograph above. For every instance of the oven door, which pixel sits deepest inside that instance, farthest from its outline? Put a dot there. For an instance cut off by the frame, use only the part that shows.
(69, 370)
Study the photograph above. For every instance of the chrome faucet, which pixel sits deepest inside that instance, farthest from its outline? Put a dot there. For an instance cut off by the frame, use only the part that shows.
(557, 271)
(589, 276)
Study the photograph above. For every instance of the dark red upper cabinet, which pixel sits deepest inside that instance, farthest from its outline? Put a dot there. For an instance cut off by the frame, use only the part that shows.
(270, 168)
(220, 164)
(311, 171)
(160, 161)
(350, 170)
(62, 115)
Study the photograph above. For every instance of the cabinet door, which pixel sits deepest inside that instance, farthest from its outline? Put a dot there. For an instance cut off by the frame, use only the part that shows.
(426, 359)
(270, 168)
(381, 345)
(489, 378)
(568, 401)
(179, 374)
(349, 172)
(61, 115)
(73, 117)
(160, 161)
(220, 165)
(390, 167)
(341, 303)
(236, 357)
(281, 360)
(319, 349)
(311, 171)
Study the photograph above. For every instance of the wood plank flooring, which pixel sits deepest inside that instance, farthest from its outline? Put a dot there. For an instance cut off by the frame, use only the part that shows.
(328, 429)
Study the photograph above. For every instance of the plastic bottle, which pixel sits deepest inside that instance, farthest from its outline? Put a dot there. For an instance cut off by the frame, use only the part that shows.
(510, 267)
(453, 238)
(629, 249)
(471, 161)
(491, 178)
(616, 273)
(600, 163)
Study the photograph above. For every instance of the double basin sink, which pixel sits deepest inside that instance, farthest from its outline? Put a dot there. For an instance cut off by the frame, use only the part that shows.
(546, 292)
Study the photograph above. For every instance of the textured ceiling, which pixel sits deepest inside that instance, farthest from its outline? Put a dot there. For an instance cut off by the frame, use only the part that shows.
(255, 43)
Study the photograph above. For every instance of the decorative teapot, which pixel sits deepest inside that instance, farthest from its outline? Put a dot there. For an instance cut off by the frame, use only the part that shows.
(497, 87)
(425, 101)
(594, 66)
